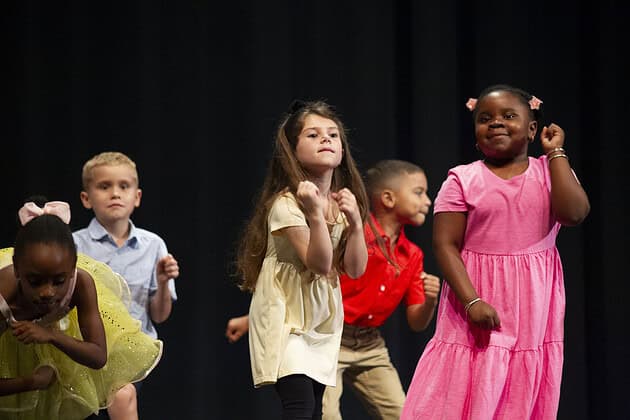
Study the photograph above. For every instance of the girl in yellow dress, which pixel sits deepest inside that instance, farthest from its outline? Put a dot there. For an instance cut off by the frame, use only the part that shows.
(66, 339)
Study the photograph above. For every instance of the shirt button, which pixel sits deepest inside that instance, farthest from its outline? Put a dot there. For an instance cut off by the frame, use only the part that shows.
(382, 287)
(370, 316)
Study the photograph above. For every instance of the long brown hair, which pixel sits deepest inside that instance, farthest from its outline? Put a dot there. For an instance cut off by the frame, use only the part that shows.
(284, 173)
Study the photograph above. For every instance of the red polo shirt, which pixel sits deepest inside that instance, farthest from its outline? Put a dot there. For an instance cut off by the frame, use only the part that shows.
(369, 300)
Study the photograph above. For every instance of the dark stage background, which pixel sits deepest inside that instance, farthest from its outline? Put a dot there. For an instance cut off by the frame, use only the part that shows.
(193, 92)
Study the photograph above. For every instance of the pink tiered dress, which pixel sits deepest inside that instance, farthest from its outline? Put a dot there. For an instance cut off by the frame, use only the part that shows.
(510, 255)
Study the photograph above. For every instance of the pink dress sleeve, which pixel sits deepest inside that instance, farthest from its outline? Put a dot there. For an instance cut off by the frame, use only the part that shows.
(450, 198)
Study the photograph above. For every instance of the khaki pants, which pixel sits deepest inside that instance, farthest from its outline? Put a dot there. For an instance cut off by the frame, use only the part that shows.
(365, 366)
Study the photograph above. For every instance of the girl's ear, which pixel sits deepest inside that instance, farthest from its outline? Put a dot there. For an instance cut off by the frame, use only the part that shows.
(532, 129)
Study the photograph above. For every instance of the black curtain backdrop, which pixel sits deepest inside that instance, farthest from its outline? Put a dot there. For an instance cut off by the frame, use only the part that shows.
(192, 91)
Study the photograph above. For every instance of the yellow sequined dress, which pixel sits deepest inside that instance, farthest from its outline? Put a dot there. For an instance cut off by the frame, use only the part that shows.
(79, 391)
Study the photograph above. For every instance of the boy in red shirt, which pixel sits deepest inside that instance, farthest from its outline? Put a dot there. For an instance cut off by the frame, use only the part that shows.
(395, 270)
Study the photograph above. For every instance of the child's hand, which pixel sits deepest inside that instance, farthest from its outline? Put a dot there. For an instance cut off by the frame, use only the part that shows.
(484, 316)
(29, 332)
(551, 137)
(236, 328)
(313, 202)
(347, 203)
(167, 268)
(43, 377)
(431, 286)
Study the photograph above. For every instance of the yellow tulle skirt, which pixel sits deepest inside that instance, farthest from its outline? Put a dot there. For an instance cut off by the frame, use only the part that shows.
(78, 390)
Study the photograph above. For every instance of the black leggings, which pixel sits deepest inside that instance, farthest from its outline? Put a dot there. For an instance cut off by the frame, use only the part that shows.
(301, 397)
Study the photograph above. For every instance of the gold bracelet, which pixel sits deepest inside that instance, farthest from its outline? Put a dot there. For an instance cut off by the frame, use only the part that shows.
(552, 154)
(557, 156)
(471, 303)
(556, 149)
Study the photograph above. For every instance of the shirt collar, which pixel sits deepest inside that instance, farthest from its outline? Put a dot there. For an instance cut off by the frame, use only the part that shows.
(98, 233)
(370, 236)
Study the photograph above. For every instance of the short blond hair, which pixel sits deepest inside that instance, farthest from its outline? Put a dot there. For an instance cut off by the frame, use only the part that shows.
(109, 159)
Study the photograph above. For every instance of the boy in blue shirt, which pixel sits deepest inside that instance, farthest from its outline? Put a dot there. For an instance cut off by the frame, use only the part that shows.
(110, 189)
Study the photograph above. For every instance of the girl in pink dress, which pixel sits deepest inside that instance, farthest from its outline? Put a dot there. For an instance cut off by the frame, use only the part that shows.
(498, 344)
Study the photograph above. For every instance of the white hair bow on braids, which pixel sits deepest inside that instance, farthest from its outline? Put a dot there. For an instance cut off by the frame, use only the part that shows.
(30, 210)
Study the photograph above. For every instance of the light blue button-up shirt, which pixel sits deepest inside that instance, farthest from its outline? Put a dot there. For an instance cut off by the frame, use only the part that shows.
(136, 261)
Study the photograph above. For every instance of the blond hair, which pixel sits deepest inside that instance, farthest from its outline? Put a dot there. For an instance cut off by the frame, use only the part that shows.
(109, 159)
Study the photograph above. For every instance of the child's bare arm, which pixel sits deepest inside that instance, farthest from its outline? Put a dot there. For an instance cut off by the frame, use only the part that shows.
(568, 199)
(236, 328)
(312, 243)
(419, 316)
(448, 235)
(355, 255)
(92, 350)
(41, 378)
(162, 302)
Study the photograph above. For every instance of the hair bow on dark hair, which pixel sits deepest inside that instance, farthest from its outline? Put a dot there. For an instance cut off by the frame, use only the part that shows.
(296, 105)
